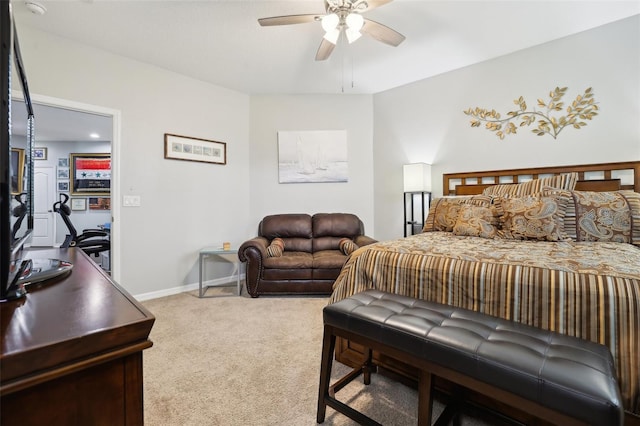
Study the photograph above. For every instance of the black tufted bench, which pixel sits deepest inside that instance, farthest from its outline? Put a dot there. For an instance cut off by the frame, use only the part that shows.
(557, 378)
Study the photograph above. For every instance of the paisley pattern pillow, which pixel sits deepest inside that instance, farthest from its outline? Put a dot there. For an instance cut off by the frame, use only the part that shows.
(476, 221)
(443, 212)
(607, 216)
(276, 248)
(534, 217)
(602, 216)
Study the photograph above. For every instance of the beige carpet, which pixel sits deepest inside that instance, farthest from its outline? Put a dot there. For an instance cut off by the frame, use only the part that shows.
(239, 361)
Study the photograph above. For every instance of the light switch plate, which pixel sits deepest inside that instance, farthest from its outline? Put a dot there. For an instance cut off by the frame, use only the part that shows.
(131, 201)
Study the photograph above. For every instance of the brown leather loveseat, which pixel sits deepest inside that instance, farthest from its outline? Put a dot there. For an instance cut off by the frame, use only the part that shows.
(306, 256)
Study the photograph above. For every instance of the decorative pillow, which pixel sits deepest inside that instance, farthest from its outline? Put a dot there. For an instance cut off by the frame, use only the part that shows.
(443, 212)
(601, 216)
(534, 217)
(347, 246)
(565, 181)
(476, 221)
(276, 248)
(607, 216)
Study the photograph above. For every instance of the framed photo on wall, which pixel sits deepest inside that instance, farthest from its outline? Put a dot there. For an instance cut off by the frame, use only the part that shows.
(63, 186)
(90, 174)
(63, 173)
(99, 203)
(194, 149)
(39, 153)
(311, 156)
(78, 204)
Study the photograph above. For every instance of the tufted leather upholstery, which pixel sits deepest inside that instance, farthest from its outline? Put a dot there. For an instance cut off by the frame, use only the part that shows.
(311, 260)
(566, 374)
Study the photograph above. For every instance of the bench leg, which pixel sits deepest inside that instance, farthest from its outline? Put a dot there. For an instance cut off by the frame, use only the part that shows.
(326, 393)
(367, 367)
(328, 346)
(425, 398)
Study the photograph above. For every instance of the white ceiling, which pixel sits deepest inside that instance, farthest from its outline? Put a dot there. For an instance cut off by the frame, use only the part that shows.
(53, 124)
(222, 43)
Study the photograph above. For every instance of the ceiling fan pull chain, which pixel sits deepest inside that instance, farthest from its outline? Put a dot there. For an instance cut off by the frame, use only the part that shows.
(342, 59)
(353, 84)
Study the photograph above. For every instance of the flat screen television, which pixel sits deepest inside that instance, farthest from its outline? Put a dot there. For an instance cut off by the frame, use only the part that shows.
(16, 182)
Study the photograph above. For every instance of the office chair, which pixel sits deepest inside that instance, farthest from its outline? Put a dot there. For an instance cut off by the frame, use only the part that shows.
(91, 241)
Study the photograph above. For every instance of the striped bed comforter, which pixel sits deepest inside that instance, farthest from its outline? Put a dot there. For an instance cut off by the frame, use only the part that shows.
(586, 289)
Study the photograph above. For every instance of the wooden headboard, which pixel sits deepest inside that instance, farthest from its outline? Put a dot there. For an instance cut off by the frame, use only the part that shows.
(591, 177)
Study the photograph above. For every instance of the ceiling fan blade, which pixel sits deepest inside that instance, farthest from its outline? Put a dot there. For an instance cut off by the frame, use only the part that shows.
(382, 33)
(325, 49)
(288, 20)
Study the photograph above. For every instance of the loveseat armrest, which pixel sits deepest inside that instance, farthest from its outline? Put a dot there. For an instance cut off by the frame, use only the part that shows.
(253, 252)
(363, 240)
(259, 244)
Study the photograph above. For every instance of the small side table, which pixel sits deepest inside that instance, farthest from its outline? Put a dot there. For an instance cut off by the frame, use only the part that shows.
(230, 256)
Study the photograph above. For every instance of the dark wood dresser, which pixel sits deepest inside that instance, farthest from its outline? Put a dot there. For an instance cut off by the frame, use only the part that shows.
(72, 350)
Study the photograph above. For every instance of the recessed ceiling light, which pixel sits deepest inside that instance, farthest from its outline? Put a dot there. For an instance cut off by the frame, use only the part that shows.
(94, 135)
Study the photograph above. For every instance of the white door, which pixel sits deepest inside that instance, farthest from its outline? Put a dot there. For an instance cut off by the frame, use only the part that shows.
(44, 195)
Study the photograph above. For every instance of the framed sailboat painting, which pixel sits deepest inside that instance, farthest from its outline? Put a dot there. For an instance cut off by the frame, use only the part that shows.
(310, 156)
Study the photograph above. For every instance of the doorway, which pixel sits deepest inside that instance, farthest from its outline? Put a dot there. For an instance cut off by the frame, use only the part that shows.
(61, 125)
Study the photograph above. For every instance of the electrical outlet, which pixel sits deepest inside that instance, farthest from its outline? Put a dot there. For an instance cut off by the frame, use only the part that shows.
(131, 201)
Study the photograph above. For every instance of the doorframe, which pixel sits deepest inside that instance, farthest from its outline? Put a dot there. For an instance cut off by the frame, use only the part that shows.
(115, 164)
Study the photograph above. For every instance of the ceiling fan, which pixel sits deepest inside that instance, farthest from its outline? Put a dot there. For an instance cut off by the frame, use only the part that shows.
(342, 17)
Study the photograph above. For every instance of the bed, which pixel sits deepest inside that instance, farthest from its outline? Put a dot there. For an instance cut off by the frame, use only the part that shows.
(579, 276)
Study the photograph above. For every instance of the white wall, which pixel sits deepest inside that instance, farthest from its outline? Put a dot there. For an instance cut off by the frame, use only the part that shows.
(185, 205)
(270, 114)
(424, 121)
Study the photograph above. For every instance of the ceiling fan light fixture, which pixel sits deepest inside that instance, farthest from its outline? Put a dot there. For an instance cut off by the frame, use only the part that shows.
(352, 35)
(330, 22)
(332, 36)
(354, 21)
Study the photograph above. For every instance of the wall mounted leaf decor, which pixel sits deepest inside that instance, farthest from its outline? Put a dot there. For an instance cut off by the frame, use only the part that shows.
(584, 107)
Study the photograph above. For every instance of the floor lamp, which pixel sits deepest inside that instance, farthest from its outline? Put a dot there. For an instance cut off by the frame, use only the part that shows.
(417, 195)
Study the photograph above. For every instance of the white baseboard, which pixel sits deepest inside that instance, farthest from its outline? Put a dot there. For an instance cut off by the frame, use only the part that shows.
(185, 288)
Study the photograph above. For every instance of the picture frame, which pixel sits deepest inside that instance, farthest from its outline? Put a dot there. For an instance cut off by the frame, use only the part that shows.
(63, 173)
(63, 186)
(17, 170)
(63, 162)
(78, 204)
(312, 156)
(90, 173)
(186, 148)
(99, 203)
(39, 153)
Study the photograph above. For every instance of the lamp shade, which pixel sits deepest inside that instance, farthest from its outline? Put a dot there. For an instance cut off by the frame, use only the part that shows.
(417, 177)
(354, 21)
(330, 22)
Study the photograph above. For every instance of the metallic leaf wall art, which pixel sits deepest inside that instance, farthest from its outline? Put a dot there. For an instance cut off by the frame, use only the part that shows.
(584, 107)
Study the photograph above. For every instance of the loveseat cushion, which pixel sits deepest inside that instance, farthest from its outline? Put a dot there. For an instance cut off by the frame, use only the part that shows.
(330, 228)
(328, 259)
(290, 260)
(294, 229)
(292, 265)
(295, 225)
